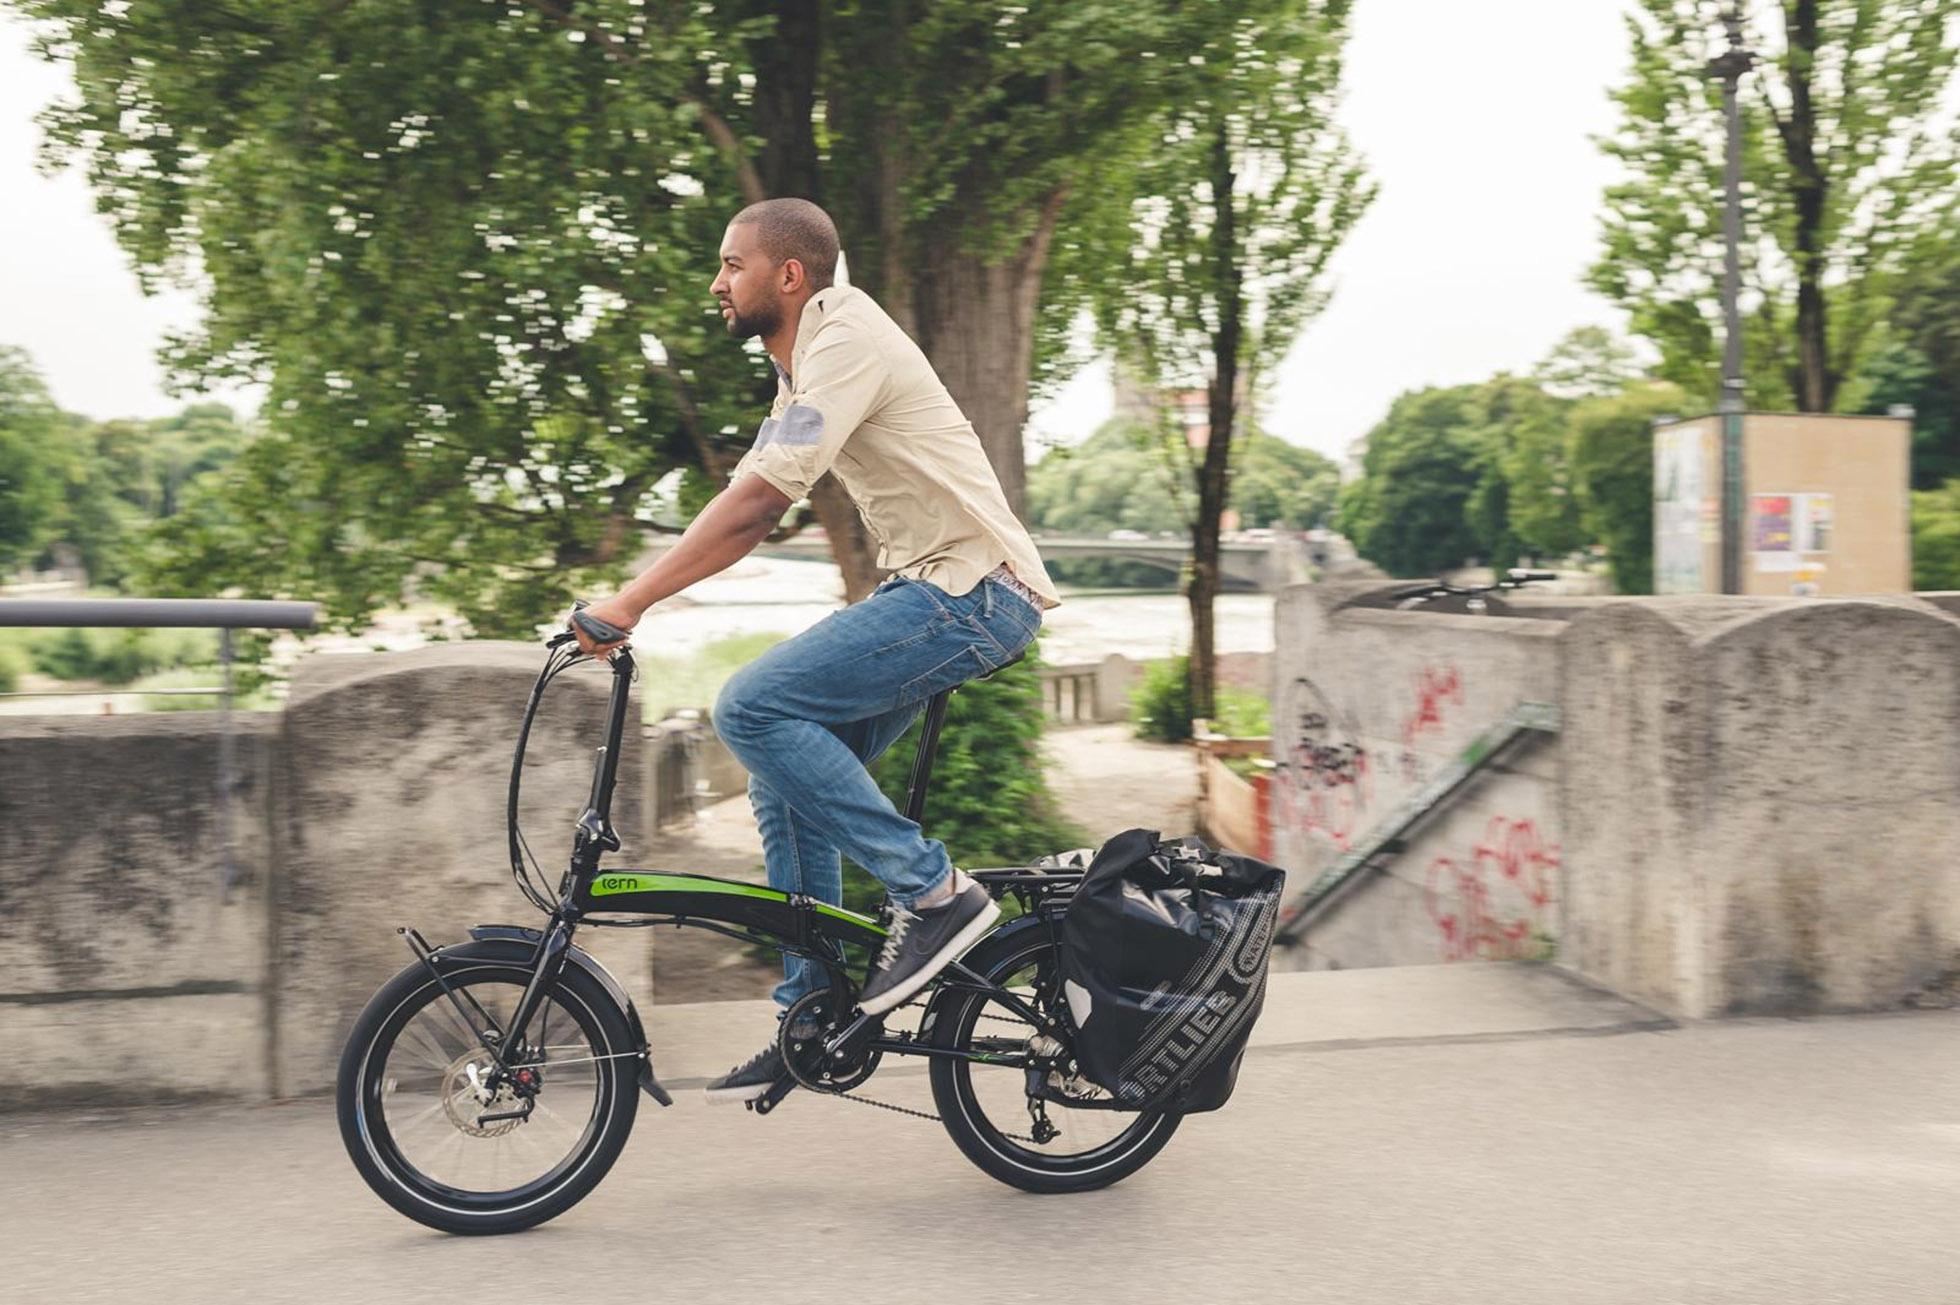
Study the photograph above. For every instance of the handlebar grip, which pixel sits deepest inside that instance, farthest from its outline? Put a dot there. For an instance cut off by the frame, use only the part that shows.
(595, 629)
(1520, 575)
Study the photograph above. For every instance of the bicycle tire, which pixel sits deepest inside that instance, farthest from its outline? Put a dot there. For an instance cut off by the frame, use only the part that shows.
(363, 1085)
(1014, 950)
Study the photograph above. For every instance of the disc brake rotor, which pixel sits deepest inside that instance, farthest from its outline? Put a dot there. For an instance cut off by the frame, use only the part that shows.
(466, 1095)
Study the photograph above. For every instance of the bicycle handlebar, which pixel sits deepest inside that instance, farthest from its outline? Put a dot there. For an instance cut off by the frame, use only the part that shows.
(1515, 578)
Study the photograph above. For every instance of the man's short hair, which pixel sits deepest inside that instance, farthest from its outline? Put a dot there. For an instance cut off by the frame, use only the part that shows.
(798, 229)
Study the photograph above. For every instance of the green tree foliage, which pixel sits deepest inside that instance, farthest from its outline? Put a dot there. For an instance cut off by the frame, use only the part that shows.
(1587, 362)
(33, 471)
(1612, 459)
(1522, 502)
(1409, 513)
(467, 256)
(466, 249)
(1282, 486)
(94, 486)
(1936, 538)
(1845, 164)
(1919, 364)
(1249, 188)
(1123, 477)
(1117, 479)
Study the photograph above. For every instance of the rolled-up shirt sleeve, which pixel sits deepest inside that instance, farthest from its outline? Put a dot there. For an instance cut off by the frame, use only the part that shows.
(840, 380)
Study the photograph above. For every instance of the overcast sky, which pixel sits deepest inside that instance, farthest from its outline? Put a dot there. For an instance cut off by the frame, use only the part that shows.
(1474, 119)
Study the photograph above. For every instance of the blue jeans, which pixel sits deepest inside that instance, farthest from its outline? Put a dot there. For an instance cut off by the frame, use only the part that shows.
(809, 715)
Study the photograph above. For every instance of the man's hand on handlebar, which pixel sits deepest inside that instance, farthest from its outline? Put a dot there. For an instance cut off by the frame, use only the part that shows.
(593, 623)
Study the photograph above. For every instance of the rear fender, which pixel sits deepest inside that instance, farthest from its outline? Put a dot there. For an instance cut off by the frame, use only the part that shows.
(979, 958)
(513, 942)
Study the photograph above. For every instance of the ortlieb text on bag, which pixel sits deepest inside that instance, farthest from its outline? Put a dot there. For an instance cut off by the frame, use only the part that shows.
(1165, 947)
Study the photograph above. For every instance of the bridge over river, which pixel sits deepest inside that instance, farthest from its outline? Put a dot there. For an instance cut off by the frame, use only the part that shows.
(1247, 565)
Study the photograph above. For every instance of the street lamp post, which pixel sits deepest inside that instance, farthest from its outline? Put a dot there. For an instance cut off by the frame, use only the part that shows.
(1730, 65)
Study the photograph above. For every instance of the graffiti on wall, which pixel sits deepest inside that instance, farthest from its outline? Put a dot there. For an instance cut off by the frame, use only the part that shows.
(1495, 903)
(1322, 778)
(1434, 690)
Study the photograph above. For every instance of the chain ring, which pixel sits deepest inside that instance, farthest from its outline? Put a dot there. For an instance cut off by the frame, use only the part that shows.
(805, 1058)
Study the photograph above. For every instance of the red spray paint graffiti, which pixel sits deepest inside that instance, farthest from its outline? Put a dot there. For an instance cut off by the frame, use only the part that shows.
(1436, 687)
(1491, 908)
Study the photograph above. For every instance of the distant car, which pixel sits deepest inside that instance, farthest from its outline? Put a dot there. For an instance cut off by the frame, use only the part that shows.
(1127, 534)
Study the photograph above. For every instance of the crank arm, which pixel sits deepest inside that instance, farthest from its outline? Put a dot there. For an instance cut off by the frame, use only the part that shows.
(769, 1100)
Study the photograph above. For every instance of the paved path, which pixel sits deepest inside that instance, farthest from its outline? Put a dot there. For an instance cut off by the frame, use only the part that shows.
(1448, 1135)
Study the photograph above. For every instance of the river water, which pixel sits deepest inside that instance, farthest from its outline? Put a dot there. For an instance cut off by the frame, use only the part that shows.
(787, 596)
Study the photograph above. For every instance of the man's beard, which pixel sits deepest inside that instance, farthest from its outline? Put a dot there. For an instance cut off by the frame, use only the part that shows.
(763, 321)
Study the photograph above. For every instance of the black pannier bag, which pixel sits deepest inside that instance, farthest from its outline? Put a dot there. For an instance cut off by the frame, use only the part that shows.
(1164, 951)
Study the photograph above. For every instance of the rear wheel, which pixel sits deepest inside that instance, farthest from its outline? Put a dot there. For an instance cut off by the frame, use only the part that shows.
(449, 1139)
(987, 1108)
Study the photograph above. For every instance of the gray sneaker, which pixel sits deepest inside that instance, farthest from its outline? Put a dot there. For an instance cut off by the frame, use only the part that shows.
(919, 944)
(751, 1079)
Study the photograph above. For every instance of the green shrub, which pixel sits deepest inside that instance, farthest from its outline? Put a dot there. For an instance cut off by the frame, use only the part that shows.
(13, 665)
(1242, 714)
(245, 697)
(118, 656)
(1160, 707)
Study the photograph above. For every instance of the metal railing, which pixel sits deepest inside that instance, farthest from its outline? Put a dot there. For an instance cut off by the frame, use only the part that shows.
(221, 614)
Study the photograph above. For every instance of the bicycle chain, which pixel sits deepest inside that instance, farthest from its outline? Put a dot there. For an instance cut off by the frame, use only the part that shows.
(907, 1110)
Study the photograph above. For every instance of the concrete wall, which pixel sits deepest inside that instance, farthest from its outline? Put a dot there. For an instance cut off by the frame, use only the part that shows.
(394, 774)
(125, 976)
(376, 800)
(1749, 808)
(1764, 820)
(1368, 704)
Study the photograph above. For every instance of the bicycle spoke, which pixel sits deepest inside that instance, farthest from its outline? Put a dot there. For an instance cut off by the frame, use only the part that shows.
(436, 1109)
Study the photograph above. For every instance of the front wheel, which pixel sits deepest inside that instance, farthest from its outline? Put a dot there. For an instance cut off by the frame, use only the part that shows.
(448, 1138)
(987, 1108)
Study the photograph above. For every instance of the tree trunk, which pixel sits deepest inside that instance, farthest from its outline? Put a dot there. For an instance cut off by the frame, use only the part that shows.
(1214, 478)
(975, 321)
(785, 61)
(1815, 382)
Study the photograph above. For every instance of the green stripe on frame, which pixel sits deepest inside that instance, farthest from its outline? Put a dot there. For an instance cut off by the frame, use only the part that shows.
(614, 885)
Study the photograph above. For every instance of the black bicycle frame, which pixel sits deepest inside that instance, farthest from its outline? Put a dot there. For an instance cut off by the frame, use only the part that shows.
(791, 923)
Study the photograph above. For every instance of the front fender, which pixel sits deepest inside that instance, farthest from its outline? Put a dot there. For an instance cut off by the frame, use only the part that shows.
(528, 940)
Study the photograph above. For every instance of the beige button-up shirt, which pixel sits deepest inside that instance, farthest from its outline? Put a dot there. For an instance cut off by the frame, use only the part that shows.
(861, 400)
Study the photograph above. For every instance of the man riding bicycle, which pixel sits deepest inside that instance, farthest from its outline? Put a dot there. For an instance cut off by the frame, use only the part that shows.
(856, 397)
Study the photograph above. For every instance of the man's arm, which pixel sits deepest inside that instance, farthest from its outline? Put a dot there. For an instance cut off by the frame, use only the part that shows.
(725, 532)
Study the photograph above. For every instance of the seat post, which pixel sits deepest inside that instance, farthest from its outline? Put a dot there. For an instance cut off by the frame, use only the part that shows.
(915, 790)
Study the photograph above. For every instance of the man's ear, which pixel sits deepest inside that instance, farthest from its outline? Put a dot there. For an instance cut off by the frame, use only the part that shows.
(792, 277)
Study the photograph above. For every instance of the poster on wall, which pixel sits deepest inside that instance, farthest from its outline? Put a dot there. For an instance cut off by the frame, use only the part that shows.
(1770, 527)
(1783, 528)
(1814, 521)
(1682, 510)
